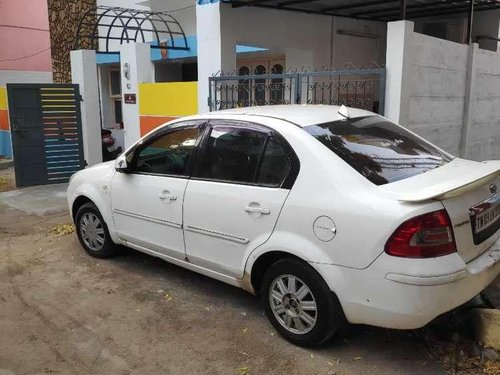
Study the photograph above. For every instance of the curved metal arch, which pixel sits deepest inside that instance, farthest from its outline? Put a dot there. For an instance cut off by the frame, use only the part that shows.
(123, 25)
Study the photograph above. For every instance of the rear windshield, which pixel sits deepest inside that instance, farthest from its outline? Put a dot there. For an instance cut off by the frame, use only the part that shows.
(378, 149)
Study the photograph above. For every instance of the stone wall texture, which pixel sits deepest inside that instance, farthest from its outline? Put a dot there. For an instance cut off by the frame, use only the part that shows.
(64, 16)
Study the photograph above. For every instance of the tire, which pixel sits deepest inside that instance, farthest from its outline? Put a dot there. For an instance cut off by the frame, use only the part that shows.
(317, 326)
(98, 242)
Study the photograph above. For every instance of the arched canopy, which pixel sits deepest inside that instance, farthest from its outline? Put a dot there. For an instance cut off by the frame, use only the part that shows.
(103, 28)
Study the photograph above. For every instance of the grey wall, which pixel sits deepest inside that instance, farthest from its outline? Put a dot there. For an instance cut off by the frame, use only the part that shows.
(437, 90)
(449, 93)
(484, 130)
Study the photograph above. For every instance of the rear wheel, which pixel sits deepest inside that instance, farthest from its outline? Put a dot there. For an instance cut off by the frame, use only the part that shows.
(299, 304)
(93, 232)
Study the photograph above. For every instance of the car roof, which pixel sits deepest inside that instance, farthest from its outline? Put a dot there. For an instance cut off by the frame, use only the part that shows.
(299, 114)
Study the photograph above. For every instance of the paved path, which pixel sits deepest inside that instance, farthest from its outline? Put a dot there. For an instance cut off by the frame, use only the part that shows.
(39, 200)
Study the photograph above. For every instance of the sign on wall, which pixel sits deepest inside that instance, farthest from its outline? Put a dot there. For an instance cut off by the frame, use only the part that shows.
(130, 98)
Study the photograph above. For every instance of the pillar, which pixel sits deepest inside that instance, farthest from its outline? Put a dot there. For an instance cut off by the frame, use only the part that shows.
(398, 70)
(136, 68)
(84, 73)
(216, 47)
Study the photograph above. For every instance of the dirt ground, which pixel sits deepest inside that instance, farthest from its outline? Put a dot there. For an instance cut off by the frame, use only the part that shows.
(7, 180)
(63, 312)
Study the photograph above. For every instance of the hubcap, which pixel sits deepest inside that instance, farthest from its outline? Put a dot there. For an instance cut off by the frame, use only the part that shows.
(92, 231)
(293, 304)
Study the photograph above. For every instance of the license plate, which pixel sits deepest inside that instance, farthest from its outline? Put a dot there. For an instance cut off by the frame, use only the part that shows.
(485, 216)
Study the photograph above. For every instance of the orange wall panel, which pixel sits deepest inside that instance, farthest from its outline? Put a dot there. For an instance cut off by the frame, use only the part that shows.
(4, 120)
(149, 123)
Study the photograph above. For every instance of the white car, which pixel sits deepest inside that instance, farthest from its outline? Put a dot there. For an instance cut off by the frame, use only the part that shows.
(329, 214)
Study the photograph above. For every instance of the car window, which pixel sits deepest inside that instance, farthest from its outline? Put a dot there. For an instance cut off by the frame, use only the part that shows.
(275, 164)
(378, 149)
(233, 154)
(169, 154)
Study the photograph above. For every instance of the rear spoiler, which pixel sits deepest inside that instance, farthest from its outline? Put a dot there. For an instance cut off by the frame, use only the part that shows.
(487, 172)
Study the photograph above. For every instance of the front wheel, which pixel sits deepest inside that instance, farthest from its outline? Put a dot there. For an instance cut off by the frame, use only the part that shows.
(93, 232)
(299, 304)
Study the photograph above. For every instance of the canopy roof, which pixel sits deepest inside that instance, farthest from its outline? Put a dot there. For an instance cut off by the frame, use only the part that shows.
(382, 10)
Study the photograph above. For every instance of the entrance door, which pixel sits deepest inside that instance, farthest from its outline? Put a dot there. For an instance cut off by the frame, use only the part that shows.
(46, 132)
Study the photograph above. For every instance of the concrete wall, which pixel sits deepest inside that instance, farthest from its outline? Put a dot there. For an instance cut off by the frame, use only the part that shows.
(437, 90)
(444, 91)
(484, 126)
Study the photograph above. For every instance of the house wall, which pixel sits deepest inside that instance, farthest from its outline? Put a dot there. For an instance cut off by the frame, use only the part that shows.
(25, 44)
(444, 91)
(24, 36)
(163, 102)
(278, 30)
(307, 41)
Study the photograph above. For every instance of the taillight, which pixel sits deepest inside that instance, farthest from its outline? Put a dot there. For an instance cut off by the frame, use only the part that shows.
(425, 236)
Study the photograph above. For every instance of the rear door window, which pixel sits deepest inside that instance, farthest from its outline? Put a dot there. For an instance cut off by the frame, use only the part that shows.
(244, 155)
(380, 150)
(233, 154)
(275, 164)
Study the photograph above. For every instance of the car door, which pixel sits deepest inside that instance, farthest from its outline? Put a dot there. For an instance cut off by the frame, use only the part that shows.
(235, 195)
(147, 200)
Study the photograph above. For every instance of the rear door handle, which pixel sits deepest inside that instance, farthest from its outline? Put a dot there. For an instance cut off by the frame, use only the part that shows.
(257, 209)
(167, 196)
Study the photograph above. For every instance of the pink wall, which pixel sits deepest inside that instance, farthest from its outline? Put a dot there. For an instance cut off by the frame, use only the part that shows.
(24, 31)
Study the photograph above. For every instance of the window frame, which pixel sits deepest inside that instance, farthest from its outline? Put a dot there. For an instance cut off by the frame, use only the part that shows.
(286, 183)
(133, 154)
(110, 86)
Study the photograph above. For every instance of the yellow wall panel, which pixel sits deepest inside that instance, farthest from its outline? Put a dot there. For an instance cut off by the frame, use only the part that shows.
(3, 98)
(168, 99)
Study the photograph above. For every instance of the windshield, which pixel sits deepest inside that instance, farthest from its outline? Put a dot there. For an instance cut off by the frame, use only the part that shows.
(378, 149)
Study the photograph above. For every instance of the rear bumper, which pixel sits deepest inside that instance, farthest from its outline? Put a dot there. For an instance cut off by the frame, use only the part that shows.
(418, 292)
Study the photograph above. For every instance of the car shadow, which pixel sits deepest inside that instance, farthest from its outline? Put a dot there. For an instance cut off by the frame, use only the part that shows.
(427, 348)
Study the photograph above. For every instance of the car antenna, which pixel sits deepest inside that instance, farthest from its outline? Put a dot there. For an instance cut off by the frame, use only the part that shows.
(344, 112)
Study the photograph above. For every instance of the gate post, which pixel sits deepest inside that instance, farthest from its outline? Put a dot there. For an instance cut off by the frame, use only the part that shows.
(398, 73)
(135, 67)
(84, 73)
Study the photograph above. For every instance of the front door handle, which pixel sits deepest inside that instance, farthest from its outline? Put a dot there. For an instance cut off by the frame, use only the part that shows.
(258, 209)
(167, 196)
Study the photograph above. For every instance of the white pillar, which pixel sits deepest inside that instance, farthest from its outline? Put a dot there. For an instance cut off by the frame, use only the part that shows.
(136, 67)
(303, 61)
(398, 66)
(216, 47)
(84, 73)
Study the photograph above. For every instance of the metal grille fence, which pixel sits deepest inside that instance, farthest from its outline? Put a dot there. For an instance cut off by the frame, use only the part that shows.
(363, 88)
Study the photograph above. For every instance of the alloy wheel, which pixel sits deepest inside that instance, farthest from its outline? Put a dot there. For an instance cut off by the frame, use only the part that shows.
(293, 304)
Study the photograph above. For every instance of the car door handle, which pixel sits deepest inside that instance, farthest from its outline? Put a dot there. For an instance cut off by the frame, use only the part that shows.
(167, 196)
(257, 209)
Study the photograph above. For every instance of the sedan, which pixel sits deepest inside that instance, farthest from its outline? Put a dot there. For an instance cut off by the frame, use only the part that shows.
(332, 215)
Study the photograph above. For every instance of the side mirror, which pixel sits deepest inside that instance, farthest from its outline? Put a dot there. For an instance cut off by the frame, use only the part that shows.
(121, 164)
